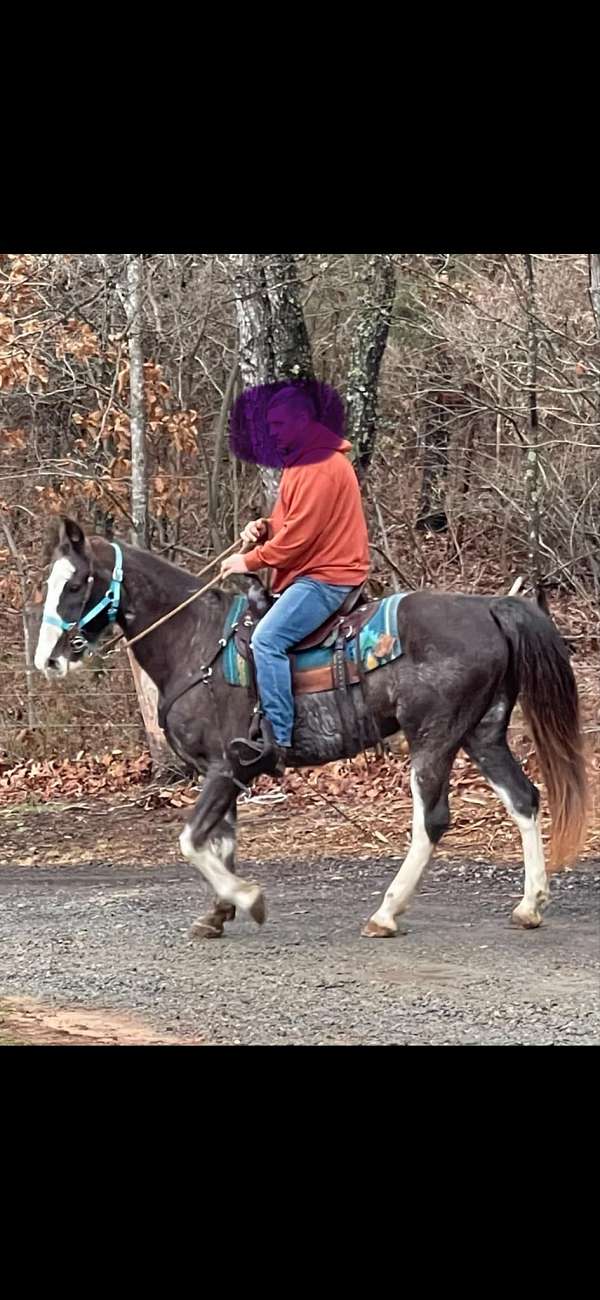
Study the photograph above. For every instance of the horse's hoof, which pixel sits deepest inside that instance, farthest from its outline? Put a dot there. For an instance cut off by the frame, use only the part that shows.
(528, 920)
(258, 911)
(251, 899)
(372, 930)
(205, 930)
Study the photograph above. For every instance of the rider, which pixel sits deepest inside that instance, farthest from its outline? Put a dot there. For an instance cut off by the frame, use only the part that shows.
(315, 542)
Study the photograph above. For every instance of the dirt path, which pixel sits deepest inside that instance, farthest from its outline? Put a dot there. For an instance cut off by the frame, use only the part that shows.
(102, 954)
(26, 1022)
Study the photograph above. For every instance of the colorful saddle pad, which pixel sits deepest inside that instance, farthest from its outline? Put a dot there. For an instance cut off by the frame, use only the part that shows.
(312, 670)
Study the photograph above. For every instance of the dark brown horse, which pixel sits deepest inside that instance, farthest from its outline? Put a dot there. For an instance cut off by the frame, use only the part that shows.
(465, 661)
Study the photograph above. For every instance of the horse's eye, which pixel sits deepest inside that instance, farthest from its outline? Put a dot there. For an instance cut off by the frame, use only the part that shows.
(74, 586)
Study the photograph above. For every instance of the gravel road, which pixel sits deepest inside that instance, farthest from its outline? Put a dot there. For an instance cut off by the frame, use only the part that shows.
(110, 939)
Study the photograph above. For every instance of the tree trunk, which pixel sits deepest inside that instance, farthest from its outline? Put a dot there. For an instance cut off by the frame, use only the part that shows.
(164, 762)
(273, 339)
(532, 473)
(253, 312)
(214, 476)
(292, 354)
(28, 626)
(139, 480)
(255, 339)
(594, 265)
(377, 281)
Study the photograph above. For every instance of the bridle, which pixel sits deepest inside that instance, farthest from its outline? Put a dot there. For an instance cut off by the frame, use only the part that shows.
(109, 601)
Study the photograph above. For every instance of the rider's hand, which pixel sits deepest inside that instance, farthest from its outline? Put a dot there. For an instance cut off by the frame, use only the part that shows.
(233, 564)
(254, 532)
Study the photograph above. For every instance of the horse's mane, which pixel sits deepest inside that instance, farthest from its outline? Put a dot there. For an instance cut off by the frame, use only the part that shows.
(179, 582)
(144, 557)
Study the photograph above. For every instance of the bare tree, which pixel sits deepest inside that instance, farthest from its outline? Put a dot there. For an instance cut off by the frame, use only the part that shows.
(273, 339)
(213, 479)
(253, 313)
(594, 271)
(532, 473)
(26, 610)
(376, 281)
(255, 335)
(594, 266)
(292, 356)
(139, 478)
(163, 761)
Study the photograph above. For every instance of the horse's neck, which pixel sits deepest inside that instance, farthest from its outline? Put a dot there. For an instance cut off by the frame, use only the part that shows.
(152, 588)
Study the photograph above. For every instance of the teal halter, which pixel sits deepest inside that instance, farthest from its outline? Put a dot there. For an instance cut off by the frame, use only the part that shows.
(110, 601)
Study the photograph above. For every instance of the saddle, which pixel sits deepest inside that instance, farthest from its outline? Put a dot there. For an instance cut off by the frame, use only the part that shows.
(360, 636)
(259, 604)
(339, 628)
(258, 753)
(355, 604)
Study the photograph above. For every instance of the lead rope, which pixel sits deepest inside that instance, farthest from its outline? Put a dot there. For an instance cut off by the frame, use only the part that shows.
(378, 835)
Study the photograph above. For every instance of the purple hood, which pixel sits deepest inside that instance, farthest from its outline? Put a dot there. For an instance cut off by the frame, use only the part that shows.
(250, 438)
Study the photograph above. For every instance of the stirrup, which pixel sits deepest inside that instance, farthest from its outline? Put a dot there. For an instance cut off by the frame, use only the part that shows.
(265, 757)
(256, 750)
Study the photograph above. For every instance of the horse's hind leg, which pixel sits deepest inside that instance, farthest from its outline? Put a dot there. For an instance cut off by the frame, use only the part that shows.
(429, 781)
(488, 749)
(208, 841)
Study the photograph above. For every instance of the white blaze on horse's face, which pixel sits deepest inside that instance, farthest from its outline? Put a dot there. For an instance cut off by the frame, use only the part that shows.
(50, 635)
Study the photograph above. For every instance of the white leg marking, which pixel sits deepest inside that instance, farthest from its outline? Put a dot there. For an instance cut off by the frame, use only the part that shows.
(61, 571)
(537, 892)
(210, 860)
(404, 884)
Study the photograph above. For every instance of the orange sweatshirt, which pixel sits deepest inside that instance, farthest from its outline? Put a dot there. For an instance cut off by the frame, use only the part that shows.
(318, 525)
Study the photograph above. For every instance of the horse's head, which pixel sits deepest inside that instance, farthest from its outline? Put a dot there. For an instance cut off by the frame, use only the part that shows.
(79, 602)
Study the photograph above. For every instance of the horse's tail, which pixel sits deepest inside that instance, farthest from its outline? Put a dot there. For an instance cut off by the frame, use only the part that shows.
(550, 704)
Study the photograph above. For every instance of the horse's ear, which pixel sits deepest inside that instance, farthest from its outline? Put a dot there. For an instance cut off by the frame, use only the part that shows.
(70, 531)
(71, 534)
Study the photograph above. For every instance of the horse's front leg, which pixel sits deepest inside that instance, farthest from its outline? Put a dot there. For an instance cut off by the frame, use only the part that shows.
(210, 926)
(208, 841)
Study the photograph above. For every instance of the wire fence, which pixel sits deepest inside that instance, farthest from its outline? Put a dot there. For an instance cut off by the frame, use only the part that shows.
(93, 709)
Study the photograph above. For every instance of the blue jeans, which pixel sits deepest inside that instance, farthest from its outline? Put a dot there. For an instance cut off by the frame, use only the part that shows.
(300, 609)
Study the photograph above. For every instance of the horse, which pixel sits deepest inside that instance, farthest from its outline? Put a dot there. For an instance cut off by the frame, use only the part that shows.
(465, 661)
